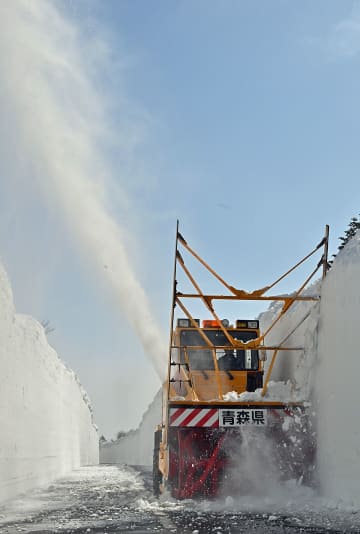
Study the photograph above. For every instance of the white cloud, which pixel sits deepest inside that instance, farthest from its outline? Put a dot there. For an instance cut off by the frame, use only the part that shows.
(344, 38)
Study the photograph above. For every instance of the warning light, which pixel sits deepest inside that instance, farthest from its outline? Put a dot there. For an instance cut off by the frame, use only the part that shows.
(210, 323)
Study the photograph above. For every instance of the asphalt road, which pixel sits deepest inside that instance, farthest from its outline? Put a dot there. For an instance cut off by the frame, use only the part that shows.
(109, 499)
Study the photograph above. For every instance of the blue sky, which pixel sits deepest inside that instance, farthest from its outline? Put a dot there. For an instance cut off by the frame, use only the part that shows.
(252, 113)
(242, 120)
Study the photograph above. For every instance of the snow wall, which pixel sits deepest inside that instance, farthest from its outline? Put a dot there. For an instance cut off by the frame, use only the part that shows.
(136, 447)
(45, 416)
(337, 378)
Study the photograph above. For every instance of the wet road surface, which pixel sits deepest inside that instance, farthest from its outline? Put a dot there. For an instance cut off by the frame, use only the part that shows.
(118, 499)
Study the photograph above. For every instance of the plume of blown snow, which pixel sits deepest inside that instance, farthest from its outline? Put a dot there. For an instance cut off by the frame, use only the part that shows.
(61, 123)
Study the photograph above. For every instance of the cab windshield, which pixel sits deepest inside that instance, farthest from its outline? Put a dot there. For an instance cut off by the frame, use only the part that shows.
(228, 359)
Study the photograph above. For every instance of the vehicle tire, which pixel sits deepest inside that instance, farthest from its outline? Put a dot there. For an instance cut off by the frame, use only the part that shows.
(157, 475)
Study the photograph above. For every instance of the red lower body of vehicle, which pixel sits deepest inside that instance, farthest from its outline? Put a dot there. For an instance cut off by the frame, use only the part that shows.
(199, 457)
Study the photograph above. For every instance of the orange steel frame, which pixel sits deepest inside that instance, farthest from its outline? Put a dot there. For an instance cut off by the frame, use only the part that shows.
(241, 295)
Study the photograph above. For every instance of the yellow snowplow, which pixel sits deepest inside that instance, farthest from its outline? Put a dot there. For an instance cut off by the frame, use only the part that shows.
(216, 388)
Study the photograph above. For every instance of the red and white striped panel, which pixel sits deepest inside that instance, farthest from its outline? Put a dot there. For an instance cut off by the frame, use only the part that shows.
(190, 417)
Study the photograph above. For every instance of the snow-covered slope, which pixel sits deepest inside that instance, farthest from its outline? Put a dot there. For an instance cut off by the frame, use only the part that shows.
(136, 447)
(45, 417)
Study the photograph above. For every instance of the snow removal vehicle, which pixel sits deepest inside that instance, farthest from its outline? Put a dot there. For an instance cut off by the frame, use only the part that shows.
(216, 398)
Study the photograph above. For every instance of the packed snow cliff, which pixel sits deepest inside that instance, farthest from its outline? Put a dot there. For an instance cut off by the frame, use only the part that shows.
(337, 378)
(45, 416)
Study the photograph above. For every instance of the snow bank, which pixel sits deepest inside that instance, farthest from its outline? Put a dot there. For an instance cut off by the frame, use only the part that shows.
(45, 416)
(136, 447)
(338, 373)
(276, 391)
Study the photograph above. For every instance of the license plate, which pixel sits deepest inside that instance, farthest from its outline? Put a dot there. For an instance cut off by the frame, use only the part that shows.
(242, 417)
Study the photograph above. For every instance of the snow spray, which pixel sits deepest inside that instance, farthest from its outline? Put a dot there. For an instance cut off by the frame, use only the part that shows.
(61, 123)
(252, 470)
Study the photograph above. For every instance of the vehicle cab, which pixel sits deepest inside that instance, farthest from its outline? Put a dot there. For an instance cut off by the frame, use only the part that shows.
(206, 363)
